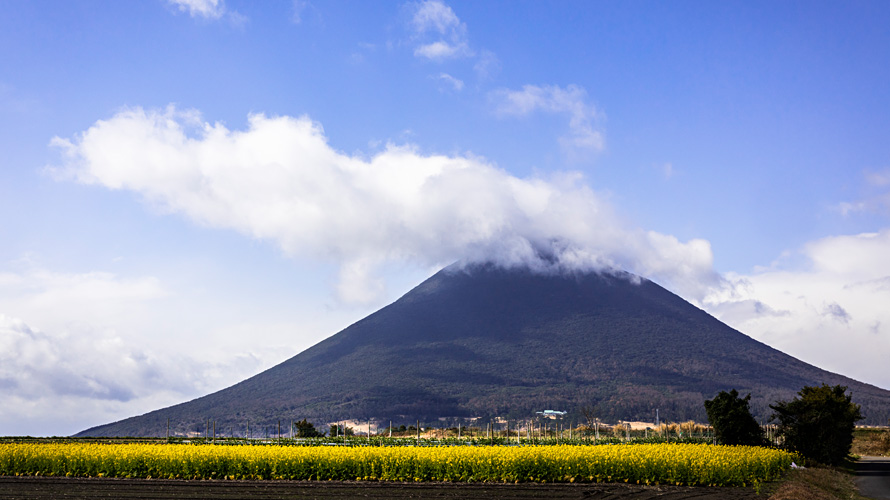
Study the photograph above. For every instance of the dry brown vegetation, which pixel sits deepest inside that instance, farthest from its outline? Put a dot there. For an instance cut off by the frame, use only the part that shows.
(688, 428)
(822, 483)
(871, 441)
(817, 483)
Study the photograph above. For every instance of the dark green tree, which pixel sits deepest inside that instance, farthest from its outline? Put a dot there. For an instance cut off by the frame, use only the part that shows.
(819, 424)
(731, 417)
(305, 429)
(341, 430)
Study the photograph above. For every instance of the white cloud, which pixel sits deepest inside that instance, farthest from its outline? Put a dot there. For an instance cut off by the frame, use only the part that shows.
(878, 178)
(63, 382)
(298, 6)
(439, 50)
(280, 181)
(847, 208)
(433, 15)
(833, 313)
(81, 349)
(571, 101)
(487, 65)
(62, 300)
(876, 196)
(37, 365)
(211, 10)
(452, 82)
(363, 48)
(208, 9)
(438, 32)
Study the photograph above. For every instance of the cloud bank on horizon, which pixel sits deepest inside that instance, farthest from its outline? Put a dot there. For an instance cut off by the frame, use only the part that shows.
(85, 365)
(837, 298)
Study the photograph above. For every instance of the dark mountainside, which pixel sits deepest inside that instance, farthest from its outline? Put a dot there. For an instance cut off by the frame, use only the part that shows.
(493, 342)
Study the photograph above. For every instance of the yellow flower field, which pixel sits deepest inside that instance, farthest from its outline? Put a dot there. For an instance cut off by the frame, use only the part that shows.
(687, 464)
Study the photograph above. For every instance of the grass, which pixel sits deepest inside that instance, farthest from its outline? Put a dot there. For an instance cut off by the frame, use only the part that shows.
(833, 483)
(871, 441)
(818, 483)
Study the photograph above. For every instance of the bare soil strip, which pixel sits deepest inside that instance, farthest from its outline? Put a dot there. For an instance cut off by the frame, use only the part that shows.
(39, 488)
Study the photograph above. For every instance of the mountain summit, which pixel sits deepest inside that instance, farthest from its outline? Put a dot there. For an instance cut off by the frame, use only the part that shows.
(485, 341)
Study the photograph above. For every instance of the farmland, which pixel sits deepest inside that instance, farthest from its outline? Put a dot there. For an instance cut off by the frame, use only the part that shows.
(675, 464)
(51, 488)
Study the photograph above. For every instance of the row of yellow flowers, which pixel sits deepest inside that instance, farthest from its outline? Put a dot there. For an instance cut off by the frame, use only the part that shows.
(689, 464)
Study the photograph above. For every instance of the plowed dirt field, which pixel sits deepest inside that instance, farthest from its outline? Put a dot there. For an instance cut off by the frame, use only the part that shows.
(156, 489)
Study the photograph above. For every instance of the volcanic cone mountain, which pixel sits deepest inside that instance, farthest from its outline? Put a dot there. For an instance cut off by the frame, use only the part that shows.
(486, 341)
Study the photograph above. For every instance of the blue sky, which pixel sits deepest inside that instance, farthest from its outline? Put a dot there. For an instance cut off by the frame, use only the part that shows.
(193, 191)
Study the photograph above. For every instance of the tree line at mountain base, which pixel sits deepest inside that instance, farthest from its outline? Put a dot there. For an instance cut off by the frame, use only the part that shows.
(818, 423)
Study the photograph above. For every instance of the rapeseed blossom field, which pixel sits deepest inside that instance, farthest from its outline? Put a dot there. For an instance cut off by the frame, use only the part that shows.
(681, 464)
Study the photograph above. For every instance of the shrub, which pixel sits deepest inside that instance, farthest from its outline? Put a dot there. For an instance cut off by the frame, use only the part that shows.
(732, 420)
(819, 425)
